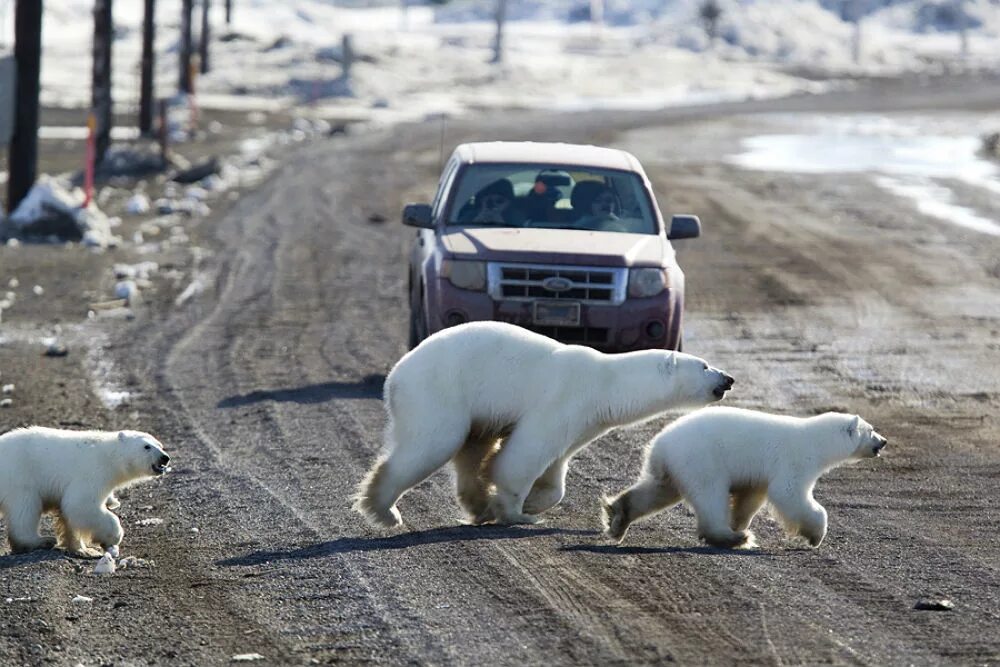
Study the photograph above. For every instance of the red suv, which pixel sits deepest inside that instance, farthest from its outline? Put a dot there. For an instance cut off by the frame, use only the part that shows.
(562, 239)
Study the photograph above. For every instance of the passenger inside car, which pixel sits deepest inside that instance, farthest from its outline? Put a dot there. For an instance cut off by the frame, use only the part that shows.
(493, 204)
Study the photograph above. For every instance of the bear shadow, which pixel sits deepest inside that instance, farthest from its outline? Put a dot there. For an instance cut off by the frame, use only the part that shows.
(401, 541)
(368, 387)
(10, 561)
(615, 550)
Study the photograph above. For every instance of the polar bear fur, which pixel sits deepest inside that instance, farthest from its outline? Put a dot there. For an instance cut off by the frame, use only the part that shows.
(72, 474)
(726, 462)
(510, 408)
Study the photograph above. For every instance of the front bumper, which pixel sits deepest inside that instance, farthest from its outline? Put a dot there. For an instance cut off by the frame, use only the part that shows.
(636, 324)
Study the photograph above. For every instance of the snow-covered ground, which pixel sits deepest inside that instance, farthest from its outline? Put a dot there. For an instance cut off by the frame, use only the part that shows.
(646, 53)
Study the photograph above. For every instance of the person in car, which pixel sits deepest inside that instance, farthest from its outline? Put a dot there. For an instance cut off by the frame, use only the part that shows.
(596, 206)
(492, 205)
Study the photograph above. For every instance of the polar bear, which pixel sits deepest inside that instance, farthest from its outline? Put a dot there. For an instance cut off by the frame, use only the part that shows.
(74, 475)
(726, 462)
(510, 408)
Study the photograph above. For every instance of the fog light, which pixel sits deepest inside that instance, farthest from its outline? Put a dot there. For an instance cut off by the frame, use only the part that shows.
(655, 330)
(454, 318)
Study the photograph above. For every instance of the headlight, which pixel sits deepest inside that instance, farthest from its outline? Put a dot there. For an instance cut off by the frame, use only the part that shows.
(464, 274)
(646, 282)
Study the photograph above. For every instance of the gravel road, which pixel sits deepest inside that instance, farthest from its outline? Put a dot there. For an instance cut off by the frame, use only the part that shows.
(816, 291)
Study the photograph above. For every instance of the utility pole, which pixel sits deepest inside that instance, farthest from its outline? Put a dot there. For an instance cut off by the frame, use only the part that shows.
(501, 17)
(101, 81)
(205, 36)
(185, 72)
(146, 84)
(23, 154)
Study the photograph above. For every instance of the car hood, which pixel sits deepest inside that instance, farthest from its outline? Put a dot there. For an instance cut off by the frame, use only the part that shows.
(559, 246)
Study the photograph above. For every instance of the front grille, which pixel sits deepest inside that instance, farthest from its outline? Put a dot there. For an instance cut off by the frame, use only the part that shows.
(590, 285)
(596, 336)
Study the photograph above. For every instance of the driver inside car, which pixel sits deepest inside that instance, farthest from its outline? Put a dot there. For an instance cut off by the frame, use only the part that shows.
(597, 206)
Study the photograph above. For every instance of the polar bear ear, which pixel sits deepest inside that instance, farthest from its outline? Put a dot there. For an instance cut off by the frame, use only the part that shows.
(854, 427)
(122, 437)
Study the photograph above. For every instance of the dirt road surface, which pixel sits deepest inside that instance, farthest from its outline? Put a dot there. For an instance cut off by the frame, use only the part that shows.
(817, 292)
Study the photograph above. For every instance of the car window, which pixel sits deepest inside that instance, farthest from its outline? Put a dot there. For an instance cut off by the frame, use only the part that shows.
(552, 196)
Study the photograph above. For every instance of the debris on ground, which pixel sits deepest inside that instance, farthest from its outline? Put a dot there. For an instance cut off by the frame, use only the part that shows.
(82, 599)
(106, 565)
(56, 350)
(247, 657)
(135, 562)
(152, 521)
(934, 604)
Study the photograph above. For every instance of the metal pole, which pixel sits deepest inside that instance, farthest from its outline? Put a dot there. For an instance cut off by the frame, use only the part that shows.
(146, 85)
(23, 154)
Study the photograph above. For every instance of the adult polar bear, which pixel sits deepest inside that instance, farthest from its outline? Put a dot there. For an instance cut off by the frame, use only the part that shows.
(466, 388)
(726, 462)
(73, 474)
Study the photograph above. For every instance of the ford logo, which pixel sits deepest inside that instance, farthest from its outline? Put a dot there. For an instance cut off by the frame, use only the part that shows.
(557, 284)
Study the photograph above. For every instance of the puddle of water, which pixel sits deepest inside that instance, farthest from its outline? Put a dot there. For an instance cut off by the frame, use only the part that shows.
(905, 158)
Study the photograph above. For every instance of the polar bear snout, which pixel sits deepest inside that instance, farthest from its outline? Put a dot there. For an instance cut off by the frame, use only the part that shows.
(878, 445)
(160, 466)
(725, 384)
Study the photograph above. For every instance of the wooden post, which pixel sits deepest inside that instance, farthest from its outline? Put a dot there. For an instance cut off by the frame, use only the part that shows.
(148, 58)
(206, 35)
(229, 11)
(184, 82)
(101, 82)
(164, 134)
(23, 154)
(347, 54)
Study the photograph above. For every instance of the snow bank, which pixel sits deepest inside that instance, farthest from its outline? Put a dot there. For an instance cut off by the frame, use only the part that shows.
(53, 208)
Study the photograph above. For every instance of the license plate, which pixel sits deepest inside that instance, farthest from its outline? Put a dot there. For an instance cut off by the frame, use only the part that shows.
(557, 313)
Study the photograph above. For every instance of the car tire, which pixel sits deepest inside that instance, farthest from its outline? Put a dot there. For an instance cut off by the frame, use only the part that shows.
(418, 324)
(414, 332)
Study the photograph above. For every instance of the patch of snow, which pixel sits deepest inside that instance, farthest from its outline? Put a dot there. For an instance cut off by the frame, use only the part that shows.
(909, 157)
(82, 599)
(152, 521)
(137, 204)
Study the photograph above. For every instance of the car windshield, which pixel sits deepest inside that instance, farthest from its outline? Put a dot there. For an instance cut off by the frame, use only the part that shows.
(553, 197)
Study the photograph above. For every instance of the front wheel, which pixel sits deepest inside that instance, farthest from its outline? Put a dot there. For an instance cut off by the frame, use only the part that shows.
(418, 326)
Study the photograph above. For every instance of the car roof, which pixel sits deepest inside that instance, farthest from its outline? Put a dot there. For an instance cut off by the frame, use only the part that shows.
(534, 152)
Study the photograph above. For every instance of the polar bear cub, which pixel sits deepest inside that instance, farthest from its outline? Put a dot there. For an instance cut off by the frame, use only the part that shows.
(510, 408)
(74, 475)
(726, 462)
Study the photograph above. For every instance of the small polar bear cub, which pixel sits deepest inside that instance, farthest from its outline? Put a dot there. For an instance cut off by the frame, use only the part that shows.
(510, 408)
(72, 474)
(726, 462)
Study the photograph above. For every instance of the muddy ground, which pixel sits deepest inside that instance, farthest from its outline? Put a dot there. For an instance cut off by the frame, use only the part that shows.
(817, 292)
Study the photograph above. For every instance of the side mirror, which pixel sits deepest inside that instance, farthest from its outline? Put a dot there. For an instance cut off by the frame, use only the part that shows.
(684, 227)
(418, 215)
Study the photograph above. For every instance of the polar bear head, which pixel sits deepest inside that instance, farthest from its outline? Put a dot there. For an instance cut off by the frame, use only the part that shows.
(865, 442)
(693, 382)
(143, 454)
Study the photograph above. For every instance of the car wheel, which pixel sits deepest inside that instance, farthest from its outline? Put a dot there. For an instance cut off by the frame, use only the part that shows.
(418, 325)
(414, 332)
